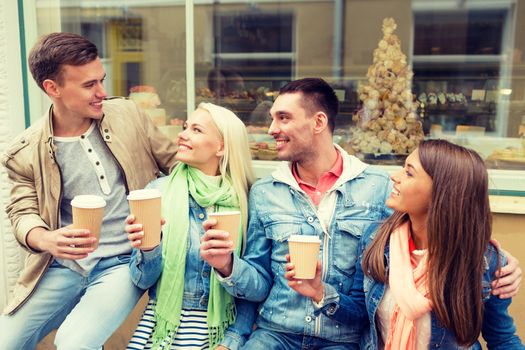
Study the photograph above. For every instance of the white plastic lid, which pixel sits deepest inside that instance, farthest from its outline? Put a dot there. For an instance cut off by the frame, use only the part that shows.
(88, 201)
(304, 239)
(148, 193)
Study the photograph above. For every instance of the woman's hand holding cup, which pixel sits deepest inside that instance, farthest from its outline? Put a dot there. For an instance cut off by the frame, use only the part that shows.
(217, 247)
(136, 233)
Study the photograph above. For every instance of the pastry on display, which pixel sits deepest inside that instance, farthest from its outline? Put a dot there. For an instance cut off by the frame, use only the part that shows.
(254, 150)
(422, 98)
(267, 151)
(432, 99)
(146, 98)
(387, 121)
(509, 154)
(263, 150)
(443, 100)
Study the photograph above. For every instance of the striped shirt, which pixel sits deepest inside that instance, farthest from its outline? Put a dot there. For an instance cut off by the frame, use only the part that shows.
(192, 333)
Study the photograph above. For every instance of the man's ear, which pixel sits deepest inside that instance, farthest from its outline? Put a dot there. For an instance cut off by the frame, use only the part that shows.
(321, 122)
(51, 88)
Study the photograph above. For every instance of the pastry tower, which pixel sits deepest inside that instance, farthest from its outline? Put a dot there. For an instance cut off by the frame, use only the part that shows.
(387, 122)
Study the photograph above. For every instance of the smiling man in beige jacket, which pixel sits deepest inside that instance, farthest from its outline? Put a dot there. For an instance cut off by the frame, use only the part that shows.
(85, 144)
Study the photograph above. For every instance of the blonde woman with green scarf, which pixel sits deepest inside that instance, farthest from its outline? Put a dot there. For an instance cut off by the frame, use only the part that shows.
(188, 308)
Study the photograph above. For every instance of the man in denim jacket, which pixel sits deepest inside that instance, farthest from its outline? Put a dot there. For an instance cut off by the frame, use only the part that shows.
(321, 191)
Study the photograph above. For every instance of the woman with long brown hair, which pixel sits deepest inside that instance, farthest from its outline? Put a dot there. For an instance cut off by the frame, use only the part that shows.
(438, 244)
(427, 271)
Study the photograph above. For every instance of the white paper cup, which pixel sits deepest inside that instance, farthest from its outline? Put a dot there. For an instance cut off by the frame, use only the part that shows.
(304, 251)
(88, 212)
(228, 221)
(145, 205)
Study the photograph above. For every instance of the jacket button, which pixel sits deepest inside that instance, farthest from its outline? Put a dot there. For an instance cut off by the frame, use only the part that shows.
(310, 219)
(107, 137)
(106, 130)
(82, 136)
(203, 302)
(205, 274)
(308, 319)
(201, 216)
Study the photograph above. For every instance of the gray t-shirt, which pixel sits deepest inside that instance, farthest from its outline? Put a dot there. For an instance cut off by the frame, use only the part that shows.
(88, 167)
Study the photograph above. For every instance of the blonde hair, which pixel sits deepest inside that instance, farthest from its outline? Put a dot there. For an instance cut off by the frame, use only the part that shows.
(236, 163)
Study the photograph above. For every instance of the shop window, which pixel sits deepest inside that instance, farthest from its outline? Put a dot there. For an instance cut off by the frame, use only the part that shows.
(467, 58)
(463, 71)
(253, 56)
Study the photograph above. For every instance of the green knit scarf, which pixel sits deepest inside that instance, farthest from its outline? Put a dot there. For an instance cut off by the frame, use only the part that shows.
(183, 181)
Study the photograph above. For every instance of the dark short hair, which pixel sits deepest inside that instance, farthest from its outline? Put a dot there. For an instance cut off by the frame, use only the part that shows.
(317, 96)
(56, 49)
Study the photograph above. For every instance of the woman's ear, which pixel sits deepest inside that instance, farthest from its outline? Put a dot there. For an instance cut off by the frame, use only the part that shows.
(220, 151)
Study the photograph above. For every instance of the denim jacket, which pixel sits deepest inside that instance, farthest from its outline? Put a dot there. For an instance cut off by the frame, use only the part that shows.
(498, 328)
(279, 208)
(146, 268)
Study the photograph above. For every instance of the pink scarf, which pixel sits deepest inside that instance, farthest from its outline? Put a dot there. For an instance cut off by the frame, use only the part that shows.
(409, 285)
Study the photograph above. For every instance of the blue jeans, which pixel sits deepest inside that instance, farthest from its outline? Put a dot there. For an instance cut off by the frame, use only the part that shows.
(86, 310)
(263, 339)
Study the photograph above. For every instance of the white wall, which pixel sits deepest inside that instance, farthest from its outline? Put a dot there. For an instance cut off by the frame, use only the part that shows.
(11, 123)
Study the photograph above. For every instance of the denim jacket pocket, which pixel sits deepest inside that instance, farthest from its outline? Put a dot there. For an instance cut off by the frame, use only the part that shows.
(345, 247)
(279, 232)
(279, 227)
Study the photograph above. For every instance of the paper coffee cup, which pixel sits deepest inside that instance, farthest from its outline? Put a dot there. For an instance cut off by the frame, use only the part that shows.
(228, 221)
(88, 212)
(304, 251)
(145, 205)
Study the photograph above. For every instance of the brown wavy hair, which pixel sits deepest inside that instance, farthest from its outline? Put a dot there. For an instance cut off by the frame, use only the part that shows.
(52, 51)
(459, 225)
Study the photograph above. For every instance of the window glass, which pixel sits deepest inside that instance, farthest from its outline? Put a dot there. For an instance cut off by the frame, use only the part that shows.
(447, 69)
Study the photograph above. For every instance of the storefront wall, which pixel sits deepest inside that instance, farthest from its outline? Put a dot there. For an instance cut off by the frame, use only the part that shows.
(11, 123)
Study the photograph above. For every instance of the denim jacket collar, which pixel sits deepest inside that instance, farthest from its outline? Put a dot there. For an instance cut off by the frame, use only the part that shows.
(352, 168)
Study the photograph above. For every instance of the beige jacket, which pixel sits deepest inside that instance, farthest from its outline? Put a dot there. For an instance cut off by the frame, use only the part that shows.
(139, 147)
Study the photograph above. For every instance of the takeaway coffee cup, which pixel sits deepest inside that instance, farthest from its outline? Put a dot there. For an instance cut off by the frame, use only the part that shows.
(145, 205)
(228, 221)
(88, 211)
(304, 251)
